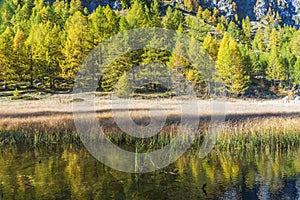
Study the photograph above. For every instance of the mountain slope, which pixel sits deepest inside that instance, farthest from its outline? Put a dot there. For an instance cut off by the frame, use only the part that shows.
(287, 11)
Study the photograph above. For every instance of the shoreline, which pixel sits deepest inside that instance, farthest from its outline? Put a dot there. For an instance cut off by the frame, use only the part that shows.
(61, 108)
(66, 104)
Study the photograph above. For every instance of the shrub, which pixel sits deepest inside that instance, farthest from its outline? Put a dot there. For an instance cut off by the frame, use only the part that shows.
(123, 87)
(16, 92)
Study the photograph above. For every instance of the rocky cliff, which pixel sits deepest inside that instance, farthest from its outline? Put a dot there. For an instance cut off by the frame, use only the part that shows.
(286, 11)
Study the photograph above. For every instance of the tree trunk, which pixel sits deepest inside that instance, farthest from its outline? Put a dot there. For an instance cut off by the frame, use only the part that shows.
(154, 88)
(52, 83)
(31, 70)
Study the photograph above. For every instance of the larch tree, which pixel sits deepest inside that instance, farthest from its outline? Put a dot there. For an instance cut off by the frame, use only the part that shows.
(296, 72)
(75, 6)
(77, 44)
(211, 45)
(295, 43)
(53, 54)
(125, 3)
(112, 23)
(138, 15)
(288, 61)
(6, 52)
(220, 28)
(26, 10)
(125, 61)
(22, 15)
(35, 42)
(172, 19)
(240, 78)
(123, 24)
(230, 67)
(35, 17)
(274, 42)
(20, 55)
(153, 69)
(247, 64)
(167, 20)
(199, 71)
(17, 18)
(198, 28)
(98, 23)
(45, 45)
(259, 55)
(275, 70)
(191, 5)
(61, 12)
(114, 70)
(7, 13)
(223, 62)
(179, 63)
(233, 30)
(178, 59)
(258, 43)
(156, 20)
(206, 15)
(246, 27)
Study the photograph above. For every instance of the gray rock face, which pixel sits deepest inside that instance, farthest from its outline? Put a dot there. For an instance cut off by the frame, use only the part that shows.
(287, 10)
(93, 4)
(226, 7)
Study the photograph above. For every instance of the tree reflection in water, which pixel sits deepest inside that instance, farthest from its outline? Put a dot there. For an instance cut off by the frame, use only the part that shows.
(70, 172)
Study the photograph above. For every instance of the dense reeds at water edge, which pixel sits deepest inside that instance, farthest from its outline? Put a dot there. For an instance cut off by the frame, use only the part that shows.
(245, 132)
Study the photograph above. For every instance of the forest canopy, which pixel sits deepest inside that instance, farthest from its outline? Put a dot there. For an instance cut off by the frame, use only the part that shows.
(46, 43)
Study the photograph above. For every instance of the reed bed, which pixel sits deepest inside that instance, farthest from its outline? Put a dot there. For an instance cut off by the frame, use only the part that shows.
(276, 133)
(236, 133)
(249, 125)
(35, 130)
(259, 133)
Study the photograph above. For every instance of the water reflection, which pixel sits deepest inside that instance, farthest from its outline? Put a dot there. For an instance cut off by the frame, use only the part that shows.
(69, 172)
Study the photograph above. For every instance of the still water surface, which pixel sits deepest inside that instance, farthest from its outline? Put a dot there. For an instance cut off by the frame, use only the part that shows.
(70, 172)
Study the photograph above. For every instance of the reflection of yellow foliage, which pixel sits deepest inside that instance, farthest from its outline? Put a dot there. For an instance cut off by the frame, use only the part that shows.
(24, 181)
(235, 170)
(21, 183)
(210, 170)
(211, 174)
(226, 167)
(296, 162)
(250, 178)
(230, 167)
(276, 168)
(181, 163)
(78, 169)
(261, 166)
(195, 167)
(73, 169)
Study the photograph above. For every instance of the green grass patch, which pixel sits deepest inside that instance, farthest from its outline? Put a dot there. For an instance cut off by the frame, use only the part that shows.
(25, 97)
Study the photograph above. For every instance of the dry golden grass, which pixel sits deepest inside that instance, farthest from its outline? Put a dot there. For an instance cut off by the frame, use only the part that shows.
(244, 119)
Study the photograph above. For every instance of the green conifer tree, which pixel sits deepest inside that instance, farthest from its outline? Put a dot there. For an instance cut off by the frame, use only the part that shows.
(123, 87)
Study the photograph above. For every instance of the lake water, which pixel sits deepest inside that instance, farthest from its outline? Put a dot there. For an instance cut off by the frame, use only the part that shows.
(70, 172)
